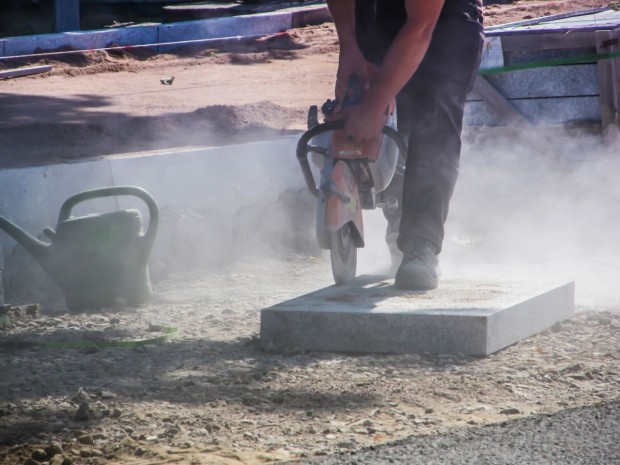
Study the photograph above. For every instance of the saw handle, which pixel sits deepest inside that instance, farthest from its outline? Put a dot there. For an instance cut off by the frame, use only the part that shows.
(303, 148)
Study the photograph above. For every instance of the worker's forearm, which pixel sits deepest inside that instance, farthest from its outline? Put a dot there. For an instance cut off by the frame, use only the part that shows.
(405, 54)
(343, 13)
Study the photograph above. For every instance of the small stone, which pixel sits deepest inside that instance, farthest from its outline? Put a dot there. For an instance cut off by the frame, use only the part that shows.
(39, 455)
(83, 412)
(428, 410)
(57, 460)
(105, 394)
(80, 396)
(87, 452)
(116, 412)
(572, 368)
(33, 310)
(510, 411)
(86, 439)
(53, 448)
(346, 444)
(139, 451)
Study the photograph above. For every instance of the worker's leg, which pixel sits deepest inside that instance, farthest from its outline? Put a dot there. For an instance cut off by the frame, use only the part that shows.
(435, 99)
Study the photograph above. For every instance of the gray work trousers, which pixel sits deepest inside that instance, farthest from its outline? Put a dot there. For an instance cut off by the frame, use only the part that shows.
(430, 114)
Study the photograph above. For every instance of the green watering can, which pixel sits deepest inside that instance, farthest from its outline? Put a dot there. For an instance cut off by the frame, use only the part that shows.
(96, 258)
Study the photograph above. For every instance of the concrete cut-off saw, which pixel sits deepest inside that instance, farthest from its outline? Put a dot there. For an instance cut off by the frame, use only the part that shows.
(352, 177)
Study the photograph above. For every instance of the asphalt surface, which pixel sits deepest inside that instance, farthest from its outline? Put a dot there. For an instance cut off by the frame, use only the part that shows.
(583, 436)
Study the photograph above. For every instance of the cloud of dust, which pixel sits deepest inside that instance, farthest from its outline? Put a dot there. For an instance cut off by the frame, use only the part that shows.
(543, 199)
(533, 203)
(527, 203)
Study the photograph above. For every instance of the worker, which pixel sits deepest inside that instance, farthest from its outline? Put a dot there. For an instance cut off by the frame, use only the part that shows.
(424, 53)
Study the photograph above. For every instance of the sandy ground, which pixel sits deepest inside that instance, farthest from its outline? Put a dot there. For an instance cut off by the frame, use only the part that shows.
(210, 395)
(107, 103)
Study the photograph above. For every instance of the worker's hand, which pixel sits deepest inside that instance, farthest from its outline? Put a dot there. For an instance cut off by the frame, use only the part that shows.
(362, 122)
(351, 62)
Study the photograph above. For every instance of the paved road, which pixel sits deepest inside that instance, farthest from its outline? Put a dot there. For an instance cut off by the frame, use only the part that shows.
(584, 436)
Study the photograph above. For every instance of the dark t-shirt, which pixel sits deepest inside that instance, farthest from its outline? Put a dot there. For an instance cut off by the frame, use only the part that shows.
(378, 21)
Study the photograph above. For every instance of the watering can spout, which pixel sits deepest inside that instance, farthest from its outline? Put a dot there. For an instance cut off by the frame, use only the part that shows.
(38, 249)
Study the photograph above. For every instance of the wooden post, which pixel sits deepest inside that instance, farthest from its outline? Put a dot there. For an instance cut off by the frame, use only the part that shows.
(608, 78)
(67, 15)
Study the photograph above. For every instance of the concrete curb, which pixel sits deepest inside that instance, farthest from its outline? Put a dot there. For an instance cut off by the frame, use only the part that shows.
(247, 25)
(216, 205)
(226, 178)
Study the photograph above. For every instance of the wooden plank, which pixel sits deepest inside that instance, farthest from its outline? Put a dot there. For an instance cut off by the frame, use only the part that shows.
(607, 84)
(25, 71)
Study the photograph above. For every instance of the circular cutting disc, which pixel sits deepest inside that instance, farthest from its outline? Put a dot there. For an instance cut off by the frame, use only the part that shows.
(343, 255)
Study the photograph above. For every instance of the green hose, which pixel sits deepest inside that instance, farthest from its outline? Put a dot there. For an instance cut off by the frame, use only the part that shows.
(170, 332)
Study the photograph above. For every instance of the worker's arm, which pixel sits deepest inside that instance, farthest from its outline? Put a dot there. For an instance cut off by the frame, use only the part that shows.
(400, 63)
(351, 60)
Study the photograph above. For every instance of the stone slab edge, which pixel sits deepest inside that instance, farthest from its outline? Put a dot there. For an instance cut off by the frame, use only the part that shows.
(527, 318)
(373, 332)
(247, 25)
(357, 332)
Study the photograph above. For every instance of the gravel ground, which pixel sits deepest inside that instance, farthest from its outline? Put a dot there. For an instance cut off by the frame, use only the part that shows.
(211, 396)
(582, 436)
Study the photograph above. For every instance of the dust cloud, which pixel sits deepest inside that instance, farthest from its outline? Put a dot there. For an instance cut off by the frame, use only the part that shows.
(533, 203)
(544, 203)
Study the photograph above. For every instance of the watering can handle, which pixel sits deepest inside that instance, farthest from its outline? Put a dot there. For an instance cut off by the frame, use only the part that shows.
(149, 236)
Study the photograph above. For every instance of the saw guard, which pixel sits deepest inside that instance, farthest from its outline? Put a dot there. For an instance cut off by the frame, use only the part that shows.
(337, 212)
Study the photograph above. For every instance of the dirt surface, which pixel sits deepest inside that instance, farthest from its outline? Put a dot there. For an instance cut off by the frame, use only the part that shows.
(120, 386)
(104, 103)
(211, 395)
